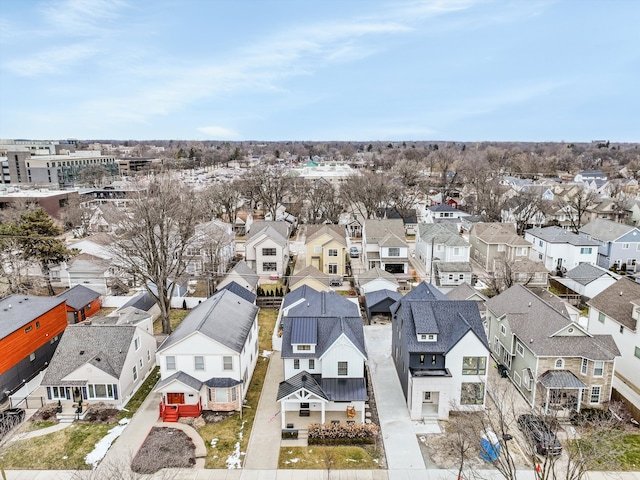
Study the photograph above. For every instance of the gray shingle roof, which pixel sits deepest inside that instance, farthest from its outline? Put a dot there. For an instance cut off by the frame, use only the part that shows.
(560, 379)
(102, 346)
(605, 230)
(142, 301)
(442, 207)
(453, 266)
(585, 273)
(498, 233)
(615, 302)
(441, 234)
(79, 296)
(240, 291)
(385, 231)
(309, 272)
(374, 274)
(373, 298)
(304, 291)
(302, 380)
(18, 310)
(241, 268)
(560, 235)
(464, 291)
(277, 231)
(222, 382)
(324, 304)
(538, 325)
(336, 232)
(224, 317)
(181, 377)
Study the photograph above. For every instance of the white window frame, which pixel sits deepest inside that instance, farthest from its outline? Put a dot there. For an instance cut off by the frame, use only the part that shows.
(584, 368)
(332, 268)
(559, 363)
(343, 369)
(135, 373)
(595, 388)
(332, 252)
(227, 363)
(170, 362)
(598, 365)
(198, 363)
(503, 330)
(520, 349)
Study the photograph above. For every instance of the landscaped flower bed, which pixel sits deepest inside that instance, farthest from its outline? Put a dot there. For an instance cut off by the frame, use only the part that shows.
(342, 434)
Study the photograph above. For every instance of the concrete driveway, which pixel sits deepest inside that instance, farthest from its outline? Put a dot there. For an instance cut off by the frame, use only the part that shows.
(400, 442)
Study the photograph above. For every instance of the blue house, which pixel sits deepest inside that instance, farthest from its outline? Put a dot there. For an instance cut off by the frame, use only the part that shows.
(619, 244)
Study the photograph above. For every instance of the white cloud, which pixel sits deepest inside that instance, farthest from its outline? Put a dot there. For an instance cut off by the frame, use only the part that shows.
(219, 133)
(52, 60)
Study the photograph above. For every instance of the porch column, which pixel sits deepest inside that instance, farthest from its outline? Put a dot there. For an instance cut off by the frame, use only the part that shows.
(362, 414)
(546, 406)
(580, 390)
(283, 420)
(322, 417)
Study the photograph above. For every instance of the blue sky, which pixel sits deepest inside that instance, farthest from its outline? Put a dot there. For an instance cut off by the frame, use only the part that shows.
(462, 70)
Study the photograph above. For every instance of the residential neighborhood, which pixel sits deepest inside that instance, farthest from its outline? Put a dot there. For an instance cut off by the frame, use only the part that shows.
(303, 323)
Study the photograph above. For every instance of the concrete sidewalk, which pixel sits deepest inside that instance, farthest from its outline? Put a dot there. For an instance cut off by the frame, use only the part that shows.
(263, 449)
(399, 437)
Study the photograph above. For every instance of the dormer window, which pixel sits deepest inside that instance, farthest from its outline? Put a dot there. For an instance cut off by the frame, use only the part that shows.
(302, 348)
(427, 337)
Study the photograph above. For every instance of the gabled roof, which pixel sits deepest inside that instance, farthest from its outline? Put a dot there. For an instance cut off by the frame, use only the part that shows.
(374, 298)
(606, 230)
(464, 291)
(86, 262)
(441, 233)
(450, 320)
(374, 274)
(102, 346)
(79, 296)
(302, 292)
(383, 230)
(240, 291)
(328, 330)
(302, 380)
(615, 302)
(309, 272)
(537, 323)
(224, 317)
(556, 234)
(278, 231)
(410, 216)
(242, 269)
(142, 301)
(323, 304)
(336, 233)
(18, 310)
(585, 273)
(497, 233)
(181, 377)
(442, 207)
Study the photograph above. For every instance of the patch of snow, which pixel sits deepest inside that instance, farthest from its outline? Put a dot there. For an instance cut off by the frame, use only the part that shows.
(294, 460)
(351, 460)
(214, 442)
(233, 461)
(101, 447)
(266, 353)
(65, 457)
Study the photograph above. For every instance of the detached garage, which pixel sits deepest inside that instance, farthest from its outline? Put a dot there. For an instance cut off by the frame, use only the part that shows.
(379, 303)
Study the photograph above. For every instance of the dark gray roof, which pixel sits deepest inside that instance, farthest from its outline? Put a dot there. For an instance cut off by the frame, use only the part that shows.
(442, 207)
(585, 273)
(373, 298)
(560, 379)
(181, 377)
(222, 382)
(452, 266)
(328, 330)
(304, 331)
(102, 346)
(304, 291)
(18, 310)
(142, 301)
(615, 302)
(387, 232)
(337, 233)
(302, 380)
(324, 304)
(540, 326)
(224, 317)
(240, 291)
(79, 296)
(344, 389)
(556, 234)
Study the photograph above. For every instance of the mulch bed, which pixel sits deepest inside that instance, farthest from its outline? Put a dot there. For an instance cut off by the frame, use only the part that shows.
(101, 413)
(164, 448)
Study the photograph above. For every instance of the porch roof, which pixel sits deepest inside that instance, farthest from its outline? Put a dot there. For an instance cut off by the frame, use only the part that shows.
(226, 382)
(181, 377)
(345, 389)
(561, 379)
(303, 380)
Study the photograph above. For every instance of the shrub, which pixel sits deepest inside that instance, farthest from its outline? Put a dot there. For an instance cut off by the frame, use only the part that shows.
(341, 433)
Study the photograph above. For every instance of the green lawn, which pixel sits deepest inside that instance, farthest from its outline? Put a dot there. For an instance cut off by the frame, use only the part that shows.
(175, 317)
(630, 460)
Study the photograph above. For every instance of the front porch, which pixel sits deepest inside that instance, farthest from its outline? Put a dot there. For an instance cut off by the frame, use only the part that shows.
(172, 412)
(560, 392)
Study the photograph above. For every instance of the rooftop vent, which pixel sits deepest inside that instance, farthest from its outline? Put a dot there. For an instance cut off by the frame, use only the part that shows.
(81, 352)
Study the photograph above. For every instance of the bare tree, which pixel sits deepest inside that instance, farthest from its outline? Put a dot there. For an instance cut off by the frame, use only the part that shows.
(579, 203)
(366, 193)
(222, 200)
(268, 185)
(77, 216)
(152, 237)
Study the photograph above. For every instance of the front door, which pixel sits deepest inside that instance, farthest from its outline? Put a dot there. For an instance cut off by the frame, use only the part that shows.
(175, 398)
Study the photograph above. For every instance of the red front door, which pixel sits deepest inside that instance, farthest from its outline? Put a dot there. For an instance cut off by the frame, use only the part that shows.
(175, 398)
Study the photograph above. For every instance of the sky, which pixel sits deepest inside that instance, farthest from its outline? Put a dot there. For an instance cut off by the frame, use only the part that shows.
(319, 70)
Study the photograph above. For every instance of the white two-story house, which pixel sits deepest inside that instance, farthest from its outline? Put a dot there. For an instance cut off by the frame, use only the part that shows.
(559, 249)
(443, 252)
(267, 248)
(208, 360)
(384, 245)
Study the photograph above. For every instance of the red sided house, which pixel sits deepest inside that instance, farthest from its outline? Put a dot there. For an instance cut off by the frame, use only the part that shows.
(82, 302)
(30, 328)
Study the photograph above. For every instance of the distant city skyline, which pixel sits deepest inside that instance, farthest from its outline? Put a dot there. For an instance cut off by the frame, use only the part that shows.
(355, 70)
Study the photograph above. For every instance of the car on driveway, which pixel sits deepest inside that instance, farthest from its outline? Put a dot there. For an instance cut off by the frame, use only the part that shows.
(353, 252)
(540, 434)
(335, 282)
